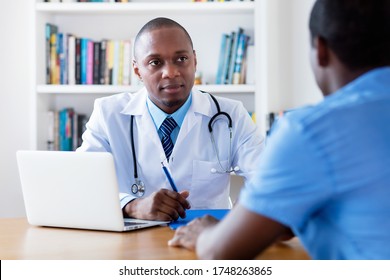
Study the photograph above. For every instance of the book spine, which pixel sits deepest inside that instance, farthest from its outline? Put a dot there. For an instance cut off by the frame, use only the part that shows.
(102, 59)
(90, 62)
(48, 31)
(120, 61)
(115, 69)
(222, 50)
(110, 61)
(78, 61)
(226, 62)
(71, 60)
(239, 58)
(50, 131)
(234, 54)
(126, 62)
(65, 72)
(60, 55)
(84, 60)
(53, 55)
(96, 62)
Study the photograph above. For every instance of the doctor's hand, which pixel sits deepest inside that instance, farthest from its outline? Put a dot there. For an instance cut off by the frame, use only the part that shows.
(187, 236)
(163, 205)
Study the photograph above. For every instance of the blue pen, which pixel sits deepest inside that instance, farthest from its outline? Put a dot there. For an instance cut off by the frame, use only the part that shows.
(169, 177)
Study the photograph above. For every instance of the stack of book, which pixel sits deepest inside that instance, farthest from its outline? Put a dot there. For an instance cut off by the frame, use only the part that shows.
(91, 1)
(81, 61)
(65, 128)
(232, 58)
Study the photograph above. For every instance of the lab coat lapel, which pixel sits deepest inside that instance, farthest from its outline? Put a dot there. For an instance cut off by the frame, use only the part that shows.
(143, 126)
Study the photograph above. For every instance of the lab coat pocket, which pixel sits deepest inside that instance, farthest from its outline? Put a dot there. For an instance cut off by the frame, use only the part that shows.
(209, 189)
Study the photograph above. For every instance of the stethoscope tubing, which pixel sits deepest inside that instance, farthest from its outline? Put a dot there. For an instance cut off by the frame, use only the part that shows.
(139, 184)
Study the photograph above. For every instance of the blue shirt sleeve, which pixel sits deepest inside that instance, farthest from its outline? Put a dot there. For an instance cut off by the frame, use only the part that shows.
(293, 179)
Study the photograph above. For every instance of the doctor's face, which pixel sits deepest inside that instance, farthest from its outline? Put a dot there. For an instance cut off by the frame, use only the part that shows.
(166, 63)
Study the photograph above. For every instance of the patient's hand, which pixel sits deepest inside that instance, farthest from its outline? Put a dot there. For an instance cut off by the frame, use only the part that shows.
(187, 236)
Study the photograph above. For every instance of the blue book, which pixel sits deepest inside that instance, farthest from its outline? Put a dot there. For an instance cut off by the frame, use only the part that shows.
(228, 54)
(60, 53)
(193, 214)
(236, 39)
(222, 50)
(84, 60)
(241, 50)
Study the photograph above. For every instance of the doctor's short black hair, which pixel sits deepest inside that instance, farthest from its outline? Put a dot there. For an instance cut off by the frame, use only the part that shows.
(157, 23)
(358, 31)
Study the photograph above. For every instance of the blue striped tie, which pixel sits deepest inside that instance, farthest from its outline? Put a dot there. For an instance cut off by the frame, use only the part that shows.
(166, 129)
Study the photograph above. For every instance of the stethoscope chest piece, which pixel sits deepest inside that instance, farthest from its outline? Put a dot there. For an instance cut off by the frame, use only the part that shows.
(138, 188)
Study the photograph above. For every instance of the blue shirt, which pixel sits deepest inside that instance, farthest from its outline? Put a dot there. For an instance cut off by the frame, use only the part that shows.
(325, 172)
(159, 116)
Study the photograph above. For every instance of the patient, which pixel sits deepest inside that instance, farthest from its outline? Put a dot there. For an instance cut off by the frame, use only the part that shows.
(325, 172)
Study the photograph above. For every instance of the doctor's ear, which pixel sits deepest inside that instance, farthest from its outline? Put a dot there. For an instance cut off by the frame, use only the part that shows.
(136, 70)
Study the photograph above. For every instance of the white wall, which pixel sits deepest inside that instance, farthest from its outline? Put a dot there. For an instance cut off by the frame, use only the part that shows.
(14, 101)
(292, 81)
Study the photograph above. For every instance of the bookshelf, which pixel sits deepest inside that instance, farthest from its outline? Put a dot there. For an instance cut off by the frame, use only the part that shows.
(205, 23)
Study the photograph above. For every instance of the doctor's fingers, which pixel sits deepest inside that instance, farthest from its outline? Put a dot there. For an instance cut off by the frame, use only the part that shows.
(180, 197)
(164, 203)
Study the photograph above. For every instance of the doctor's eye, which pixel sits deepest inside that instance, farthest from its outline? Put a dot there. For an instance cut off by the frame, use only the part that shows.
(182, 59)
(154, 62)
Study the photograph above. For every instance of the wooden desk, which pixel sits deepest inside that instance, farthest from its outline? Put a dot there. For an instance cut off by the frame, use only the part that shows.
(19, 240)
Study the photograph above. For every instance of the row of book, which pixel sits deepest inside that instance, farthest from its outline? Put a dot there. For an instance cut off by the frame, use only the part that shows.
(223, 0)
(232, 58)
(126, 1)
(75, 60)
(96, 1)
(65, 128)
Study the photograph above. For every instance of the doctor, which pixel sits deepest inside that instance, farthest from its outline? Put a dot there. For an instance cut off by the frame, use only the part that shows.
(164, 60)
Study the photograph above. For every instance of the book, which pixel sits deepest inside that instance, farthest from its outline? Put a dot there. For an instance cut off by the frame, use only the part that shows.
(61, 57)
(228, 55)
(115, 66)
(102, 62)
(50, 33)
(84, 60)
(249, 68)
(126, 62)
(90, 52)
(71, 60)
(237, 72)
(53, 55)
(120, 63)
(221, 59)
(96, 62)
(237, 36)
(109, 62)
(50, 130)
(78, 61)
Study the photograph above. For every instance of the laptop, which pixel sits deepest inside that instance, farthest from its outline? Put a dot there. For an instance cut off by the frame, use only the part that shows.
(73, 190)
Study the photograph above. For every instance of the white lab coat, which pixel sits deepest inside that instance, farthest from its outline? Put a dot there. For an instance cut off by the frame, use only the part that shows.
(193, 155)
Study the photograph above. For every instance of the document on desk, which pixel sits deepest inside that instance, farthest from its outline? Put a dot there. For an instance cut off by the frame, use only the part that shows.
(193, 214)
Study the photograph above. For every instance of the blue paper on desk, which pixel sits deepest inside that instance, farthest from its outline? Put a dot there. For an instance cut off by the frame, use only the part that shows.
(193, 214)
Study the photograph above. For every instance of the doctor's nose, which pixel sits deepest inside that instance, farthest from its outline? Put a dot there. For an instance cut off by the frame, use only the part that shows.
(170, 71)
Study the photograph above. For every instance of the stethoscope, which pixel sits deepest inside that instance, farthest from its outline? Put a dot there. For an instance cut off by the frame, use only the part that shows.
(138, 187)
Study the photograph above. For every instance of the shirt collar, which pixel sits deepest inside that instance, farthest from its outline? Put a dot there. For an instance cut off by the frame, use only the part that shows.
(159, 115)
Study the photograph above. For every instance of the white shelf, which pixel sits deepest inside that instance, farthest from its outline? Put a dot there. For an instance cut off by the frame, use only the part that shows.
(152, 8)
(109, 89)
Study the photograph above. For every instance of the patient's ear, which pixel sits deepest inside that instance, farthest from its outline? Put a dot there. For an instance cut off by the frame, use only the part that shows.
(322, 51)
